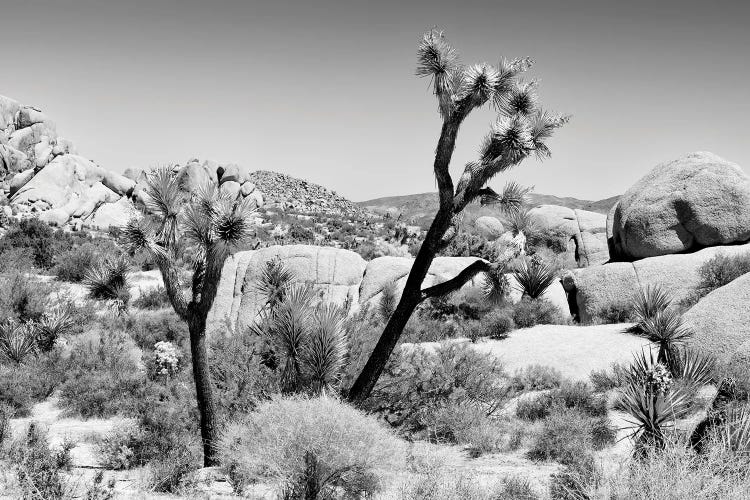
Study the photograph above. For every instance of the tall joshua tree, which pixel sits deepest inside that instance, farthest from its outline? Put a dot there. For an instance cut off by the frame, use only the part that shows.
(205, 225)
(521, 130)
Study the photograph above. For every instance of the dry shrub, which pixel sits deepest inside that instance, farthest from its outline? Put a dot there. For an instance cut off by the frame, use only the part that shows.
(298, 441)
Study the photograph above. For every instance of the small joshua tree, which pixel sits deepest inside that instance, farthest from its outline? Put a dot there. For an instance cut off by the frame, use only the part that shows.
(521, 130)
(207, 225)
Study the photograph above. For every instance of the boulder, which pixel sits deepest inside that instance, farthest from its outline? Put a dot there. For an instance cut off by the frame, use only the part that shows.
(195, 175)
(71, 183)
(721, 321)
(20, 179)
(231, 187)
(582, 232)
(696, 201)
(335, 274)
(231, 172)
(109, 215)
(256, 197)
(8, 110)
(247, 188)
(28, 116)
(598, 288)
(489, 227)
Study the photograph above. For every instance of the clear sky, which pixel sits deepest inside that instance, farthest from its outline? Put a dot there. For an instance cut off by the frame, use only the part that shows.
(325, 90)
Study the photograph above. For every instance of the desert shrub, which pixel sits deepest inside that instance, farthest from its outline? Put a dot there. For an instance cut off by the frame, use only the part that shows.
(578, 480)
(417, 380)
(38, 466)
(497, 324)
(677, 473)
(22, 298)
(609, 378)
(35, 238)
(464, 424)
(23, 385)
(571, 395)
(104, 376)
(72, 265)
(532, 312)
(536, 378)
(603, 434)
(422, 329)
(146, 328)
(14, 260)
(6, 413)
(240, 375)
(614, 314)
(300, 441)
(153, 298)
(442, 484)
(721, 270)
(563, 437)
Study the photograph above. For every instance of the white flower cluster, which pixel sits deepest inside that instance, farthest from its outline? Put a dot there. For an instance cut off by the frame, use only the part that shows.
(660, 378)
(166, 357)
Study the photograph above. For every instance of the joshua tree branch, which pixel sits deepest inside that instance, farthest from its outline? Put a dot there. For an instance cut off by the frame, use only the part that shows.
(453, 284)
(173, 286)
(216, 256)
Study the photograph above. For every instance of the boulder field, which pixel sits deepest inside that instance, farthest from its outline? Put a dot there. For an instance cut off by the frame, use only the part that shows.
(340, 276)
(698, 200)
(583, 233)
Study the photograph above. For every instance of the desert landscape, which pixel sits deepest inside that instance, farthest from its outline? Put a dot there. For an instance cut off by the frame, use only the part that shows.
(208, 329)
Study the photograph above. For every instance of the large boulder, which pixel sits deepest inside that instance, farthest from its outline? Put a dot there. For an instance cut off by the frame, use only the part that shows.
(696, 201)
(595, 289)
(111, 215)
(489, 227)
(582, 232)
(721, 321)
(335, 275)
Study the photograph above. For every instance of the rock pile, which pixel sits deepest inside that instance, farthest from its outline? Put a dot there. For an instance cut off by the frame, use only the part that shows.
(583, 232)
(290, 193)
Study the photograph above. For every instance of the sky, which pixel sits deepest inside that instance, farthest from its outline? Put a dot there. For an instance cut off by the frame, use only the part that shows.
(326, 90)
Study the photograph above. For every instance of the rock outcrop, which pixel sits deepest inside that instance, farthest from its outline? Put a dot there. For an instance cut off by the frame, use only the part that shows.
(595, 289)
(290, 193)
(489, 227)
(721, 321)
(335, 273)
(583, 233)
(698, 200)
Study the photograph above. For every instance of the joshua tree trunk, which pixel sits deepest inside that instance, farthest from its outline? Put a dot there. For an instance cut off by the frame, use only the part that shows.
(203, 389)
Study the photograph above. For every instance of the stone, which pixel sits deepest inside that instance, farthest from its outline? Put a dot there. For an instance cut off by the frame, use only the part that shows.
(489, 227)
(20, 179)
(111, 215)
(256, 197)
(247, 188)
(698, 200)
(231, 172)
(231, 187)
(582, 232)
(335, 274)
(614, 285)
(721, 321)
(8, 110)
(194, 175)
(28, 116)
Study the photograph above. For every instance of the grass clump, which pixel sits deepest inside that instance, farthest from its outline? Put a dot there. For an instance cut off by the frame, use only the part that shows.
(305, 444)
(536, 378)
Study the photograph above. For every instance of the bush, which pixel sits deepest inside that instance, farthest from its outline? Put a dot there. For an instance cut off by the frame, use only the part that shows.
(104, 377)
(614, 314)
(602, 433)
(465, 424)
(417, 380)
(6, 413)
(153, 298)
(23, 385)
(564, 437)
(536, 378)
(23, 299)
(721, 270)
(38, 466)
(578, 480)
(532, 312)
(72, 265)
(301, 441)
(497, 325)
(35, 238)
(610, 378)
(571, 395)
(146, 328)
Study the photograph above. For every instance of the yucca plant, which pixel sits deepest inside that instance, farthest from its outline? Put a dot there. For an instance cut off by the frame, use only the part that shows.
(695, 367)
(109, 280)
(647, 303)
(735, 433)
(52, 326)
(325, 353)
(667, 330)
(521, 130)
(274, 281)
(17, 340)
(651, 401)
(206, 225)
(534, 277)
(495, 285)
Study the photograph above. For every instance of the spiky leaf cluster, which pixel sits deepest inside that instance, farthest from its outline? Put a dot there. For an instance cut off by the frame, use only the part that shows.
(17, 340)
(534, 277)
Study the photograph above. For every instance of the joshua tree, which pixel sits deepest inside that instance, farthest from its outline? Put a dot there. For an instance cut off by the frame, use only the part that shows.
(520, 131)
(207, 225)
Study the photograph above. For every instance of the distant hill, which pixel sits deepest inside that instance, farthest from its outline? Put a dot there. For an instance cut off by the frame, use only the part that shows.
(421, 207)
